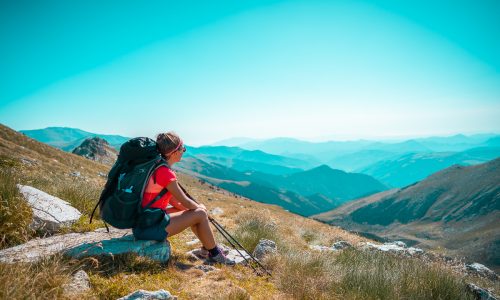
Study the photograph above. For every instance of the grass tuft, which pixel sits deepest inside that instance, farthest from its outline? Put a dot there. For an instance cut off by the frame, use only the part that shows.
(15, 213)
(42, 280)
(252, 228)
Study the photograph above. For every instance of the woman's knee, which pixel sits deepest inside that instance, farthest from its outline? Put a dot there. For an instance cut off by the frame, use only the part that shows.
(201, 214)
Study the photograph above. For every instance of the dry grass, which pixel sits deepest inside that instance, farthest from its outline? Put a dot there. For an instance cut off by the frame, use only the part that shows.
(15, 214)
(43, 280)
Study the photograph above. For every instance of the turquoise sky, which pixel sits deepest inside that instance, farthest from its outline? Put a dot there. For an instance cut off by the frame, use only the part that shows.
(217, 69)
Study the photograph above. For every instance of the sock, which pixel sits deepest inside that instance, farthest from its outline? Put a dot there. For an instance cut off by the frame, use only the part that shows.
(214, 251)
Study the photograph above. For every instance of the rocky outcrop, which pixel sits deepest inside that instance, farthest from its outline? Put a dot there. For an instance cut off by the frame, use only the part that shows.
(93, 243)
(481, 271)
(97, 149)
(49, 212)
(397, 247)
(264, 248)
(147, 295)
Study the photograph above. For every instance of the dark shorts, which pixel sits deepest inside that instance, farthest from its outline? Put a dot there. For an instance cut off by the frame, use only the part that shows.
(156, 232)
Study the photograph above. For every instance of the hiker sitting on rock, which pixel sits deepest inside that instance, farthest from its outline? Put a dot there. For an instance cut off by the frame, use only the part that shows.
(185, 212)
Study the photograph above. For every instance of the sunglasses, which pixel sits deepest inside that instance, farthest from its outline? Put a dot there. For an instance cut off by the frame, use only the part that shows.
(182, 149)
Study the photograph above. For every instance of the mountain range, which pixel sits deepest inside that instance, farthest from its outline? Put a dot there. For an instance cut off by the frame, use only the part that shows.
(67, 139)
(457, 208)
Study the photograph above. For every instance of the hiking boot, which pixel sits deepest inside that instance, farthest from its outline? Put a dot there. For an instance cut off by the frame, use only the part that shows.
(202, 253)
(221, 258)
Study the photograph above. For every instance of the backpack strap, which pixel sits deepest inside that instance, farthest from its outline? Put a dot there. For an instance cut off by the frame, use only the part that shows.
(158, 197)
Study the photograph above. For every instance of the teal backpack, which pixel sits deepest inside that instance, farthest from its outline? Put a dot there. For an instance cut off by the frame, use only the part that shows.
(120, 203)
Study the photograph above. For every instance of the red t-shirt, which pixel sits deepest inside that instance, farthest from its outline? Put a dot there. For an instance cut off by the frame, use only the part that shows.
(163, 176)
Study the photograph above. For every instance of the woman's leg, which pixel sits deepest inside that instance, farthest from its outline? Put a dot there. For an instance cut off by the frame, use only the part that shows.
(197, 218)
(193, 228)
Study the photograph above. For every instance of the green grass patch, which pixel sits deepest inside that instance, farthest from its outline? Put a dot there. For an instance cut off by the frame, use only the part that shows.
(252, 228)
(356, 274)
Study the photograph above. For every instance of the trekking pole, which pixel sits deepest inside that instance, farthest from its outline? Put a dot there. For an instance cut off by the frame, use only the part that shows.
(234, 246)
(223, 232)
(236, 241)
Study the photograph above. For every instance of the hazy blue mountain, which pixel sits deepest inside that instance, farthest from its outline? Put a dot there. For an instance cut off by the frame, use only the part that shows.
(457, 208)
(334, 184)
(68, 139)
(334, 152)
(457, 142)
(360, 159)
(304, 192)
(249, 160)
(413, 167)
(254, 187)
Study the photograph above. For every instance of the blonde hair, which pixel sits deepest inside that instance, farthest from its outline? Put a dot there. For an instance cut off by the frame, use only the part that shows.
(168, 142)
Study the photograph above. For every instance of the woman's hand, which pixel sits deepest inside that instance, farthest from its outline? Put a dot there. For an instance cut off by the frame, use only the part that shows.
(202, 207)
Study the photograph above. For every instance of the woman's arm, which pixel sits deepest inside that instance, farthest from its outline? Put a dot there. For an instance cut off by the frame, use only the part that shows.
(179, 195)
(176, 204)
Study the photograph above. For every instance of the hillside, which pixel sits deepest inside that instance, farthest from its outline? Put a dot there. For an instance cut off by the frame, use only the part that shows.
(457, 208)
(349, 274)
(68, 139)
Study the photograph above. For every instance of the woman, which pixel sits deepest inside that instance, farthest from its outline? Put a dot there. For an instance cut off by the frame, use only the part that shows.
(185, 212)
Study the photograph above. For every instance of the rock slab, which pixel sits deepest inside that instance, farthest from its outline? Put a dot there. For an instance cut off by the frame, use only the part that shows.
(147, 295)
(49, 212)
(97, 242)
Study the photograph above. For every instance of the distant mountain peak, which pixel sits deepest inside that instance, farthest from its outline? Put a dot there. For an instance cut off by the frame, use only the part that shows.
(97, 149)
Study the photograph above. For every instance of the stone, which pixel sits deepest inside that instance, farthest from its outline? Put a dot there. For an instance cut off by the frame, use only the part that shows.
(75, 174)
(400, 244)
(49, 212)
(216, 211)
(264, 248)
(341, 245)
(480, 293)
(193, 242)
(481, 270)
(147, 295)
(80, 283)
(98, 242)
(394, 248)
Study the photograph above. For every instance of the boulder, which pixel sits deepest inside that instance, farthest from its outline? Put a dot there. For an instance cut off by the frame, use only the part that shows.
(480, 293)
(80, 283)
(94, 243)
(49, 212)
(341, 245)
(147, 295)
(481, 270)
(264, 248)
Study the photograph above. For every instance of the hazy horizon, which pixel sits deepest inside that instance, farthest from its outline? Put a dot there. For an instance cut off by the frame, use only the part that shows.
(229, 140)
